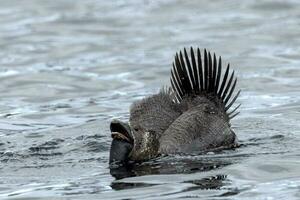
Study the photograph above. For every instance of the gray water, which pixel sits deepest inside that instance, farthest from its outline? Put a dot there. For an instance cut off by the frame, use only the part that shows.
(67, 68)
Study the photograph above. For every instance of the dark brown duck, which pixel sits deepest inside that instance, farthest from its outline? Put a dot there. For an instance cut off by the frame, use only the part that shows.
(189, 117)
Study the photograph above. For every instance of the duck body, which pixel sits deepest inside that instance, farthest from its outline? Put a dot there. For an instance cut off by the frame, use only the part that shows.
(189, 117)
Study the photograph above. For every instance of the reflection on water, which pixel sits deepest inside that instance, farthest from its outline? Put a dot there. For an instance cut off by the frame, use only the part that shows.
(67, 68)
(169, 165)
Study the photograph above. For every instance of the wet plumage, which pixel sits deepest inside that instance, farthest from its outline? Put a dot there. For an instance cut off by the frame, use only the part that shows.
(191, 116)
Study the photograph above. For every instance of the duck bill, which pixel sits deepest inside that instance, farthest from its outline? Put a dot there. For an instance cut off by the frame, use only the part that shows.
(122, 143)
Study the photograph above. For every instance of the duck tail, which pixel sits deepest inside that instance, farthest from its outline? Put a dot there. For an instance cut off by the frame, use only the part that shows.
(195, 74)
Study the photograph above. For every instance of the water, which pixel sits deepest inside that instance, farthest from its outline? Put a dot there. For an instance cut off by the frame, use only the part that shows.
(67, 68)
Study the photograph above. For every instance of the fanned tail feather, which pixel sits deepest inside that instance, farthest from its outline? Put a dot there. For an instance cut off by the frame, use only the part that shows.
(194, 74)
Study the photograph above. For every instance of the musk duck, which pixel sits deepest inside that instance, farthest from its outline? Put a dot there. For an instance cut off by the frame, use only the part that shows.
(189, 117)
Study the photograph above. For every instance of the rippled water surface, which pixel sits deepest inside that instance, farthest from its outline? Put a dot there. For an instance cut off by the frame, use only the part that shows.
(67, 68)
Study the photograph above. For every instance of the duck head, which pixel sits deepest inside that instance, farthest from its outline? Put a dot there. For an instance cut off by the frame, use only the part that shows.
(145, 145)
(135, 142)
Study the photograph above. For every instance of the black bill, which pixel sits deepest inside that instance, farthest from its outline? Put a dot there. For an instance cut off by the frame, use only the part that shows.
(122, 143)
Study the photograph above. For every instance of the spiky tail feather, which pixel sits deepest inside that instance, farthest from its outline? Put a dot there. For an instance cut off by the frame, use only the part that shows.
(196, 75)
